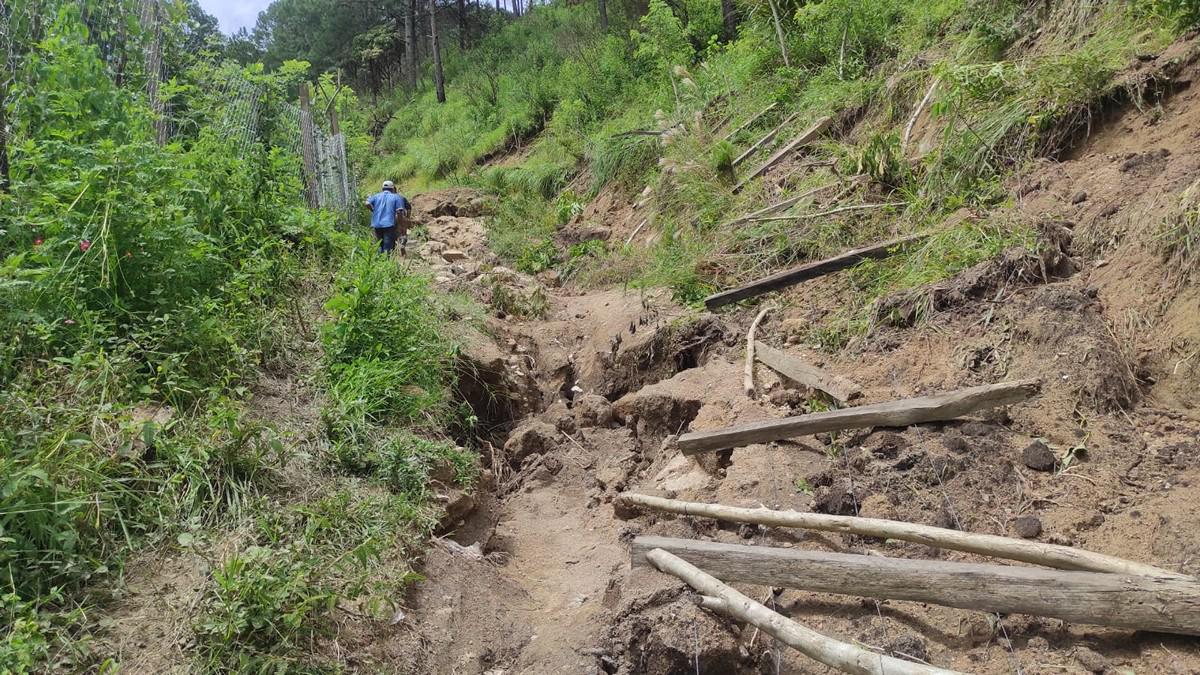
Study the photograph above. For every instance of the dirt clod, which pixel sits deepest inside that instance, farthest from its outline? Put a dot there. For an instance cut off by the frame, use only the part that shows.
(532, 439)
(1027, 527)
(1092, 661)
(593, 411)
(1038, 457)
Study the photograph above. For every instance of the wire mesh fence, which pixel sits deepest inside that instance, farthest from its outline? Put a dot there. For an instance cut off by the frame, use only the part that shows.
(131, 39)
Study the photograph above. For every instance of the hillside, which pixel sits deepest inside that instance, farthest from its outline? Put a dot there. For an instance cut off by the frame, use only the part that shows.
(238, 439)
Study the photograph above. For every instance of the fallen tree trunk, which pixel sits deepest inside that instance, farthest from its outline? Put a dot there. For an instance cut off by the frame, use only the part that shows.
(807, 137)
(745, 125)
(765, 139)
(806, 374)
(748, 380)
(807, 271)
(1050, 555)
(845, 657)
(901, 413)
(1117, 600)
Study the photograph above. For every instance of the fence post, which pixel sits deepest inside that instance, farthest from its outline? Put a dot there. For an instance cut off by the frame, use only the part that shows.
(308, 148)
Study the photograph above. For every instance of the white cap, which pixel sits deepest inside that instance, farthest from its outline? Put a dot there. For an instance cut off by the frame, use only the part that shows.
(389, 185)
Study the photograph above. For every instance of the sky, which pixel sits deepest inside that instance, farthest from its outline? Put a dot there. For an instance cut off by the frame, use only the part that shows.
(235, 14)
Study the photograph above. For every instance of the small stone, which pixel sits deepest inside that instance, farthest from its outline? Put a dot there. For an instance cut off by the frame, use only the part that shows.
(451, 255)
(1079, 197)
(1038, 457)
(976, 429)
(1027, 527)
(1038, 642)
(1092, 661)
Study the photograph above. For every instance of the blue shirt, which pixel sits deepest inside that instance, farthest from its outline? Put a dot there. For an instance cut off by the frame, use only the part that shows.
(384, 206)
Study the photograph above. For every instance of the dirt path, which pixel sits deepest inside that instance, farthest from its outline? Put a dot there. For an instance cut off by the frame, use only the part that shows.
(588, 394)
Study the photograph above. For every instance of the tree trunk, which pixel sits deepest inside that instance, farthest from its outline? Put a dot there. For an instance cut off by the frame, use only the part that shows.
(4, 171)
(462, 25)
(604, 14)
(438, 78)
(779, 33)
(729, 15)
(410, 43)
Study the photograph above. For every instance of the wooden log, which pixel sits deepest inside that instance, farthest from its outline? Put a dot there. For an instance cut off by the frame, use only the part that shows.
(746, 125)
(900, 413)
(1049, 555)
(1116, 600)
(779, 206)
(765, 139)
(748, 380)
(807, 137)
(807, 374)
(843, 656)
(807, 271)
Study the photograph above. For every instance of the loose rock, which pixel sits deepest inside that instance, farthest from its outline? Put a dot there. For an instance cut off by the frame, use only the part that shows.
(1038, 457)
(534, 439)
(451, 255)
(592, 410)
(1027, 527)
(1092, 661)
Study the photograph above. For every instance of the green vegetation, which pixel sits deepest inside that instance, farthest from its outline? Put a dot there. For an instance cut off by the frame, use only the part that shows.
(144, 288)
(147, 286)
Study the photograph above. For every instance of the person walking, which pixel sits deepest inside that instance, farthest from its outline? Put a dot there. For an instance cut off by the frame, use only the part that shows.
(389, 215)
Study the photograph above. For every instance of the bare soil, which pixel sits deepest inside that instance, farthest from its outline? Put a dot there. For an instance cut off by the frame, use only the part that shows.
(610, 377)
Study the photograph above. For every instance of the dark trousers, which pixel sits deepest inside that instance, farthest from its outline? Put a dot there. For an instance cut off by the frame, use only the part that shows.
(388, 236)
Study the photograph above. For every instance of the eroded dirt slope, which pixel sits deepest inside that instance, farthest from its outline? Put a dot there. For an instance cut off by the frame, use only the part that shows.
(602, 382)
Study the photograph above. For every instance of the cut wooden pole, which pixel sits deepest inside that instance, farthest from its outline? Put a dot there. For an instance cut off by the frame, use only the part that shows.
(779, 206)
(1116, 600)
(807, 137)
(900, 413)
(765, 139)
(748, 380)
(843, 656)
(746, 125)
(807, 374)
(807, 271)
(1049, 555)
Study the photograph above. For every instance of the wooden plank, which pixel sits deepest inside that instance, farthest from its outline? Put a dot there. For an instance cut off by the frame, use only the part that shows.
(746, 125)
(900, 413)
(807, 374)
(1117, 600)
(846, 657)
(807, 137)
(1049, 555)
(765, 139)
(807, 271)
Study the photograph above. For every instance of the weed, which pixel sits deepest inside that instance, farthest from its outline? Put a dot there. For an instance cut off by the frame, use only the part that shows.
(803, 486)
(1178, 239)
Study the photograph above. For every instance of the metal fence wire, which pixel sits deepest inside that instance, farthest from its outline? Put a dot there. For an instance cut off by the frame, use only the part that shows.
(129, 39)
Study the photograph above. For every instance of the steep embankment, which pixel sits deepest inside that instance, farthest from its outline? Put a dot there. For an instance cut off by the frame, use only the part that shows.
(590, 393)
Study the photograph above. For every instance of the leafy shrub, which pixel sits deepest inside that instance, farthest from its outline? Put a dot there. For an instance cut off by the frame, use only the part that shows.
(261, 605)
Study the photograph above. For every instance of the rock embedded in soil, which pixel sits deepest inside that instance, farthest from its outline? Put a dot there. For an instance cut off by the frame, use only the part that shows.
(1092, 661)
(592, 410)
(1027, 527)
(1038, 457)
(533, 439)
